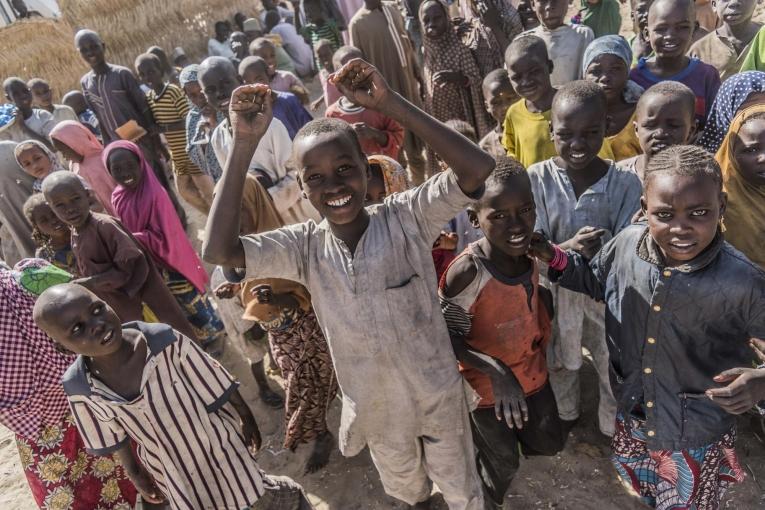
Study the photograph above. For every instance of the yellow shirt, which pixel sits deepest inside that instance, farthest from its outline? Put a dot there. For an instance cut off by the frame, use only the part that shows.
(624, 144)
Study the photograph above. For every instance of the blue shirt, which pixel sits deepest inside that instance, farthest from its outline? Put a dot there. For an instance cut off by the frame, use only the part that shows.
(291, 112)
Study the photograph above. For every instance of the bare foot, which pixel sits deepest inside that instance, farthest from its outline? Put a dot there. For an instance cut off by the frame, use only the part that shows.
(322, 448)
(422, 505)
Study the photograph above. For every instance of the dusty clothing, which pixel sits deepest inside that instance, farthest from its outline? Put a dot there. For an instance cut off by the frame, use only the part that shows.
(15, 189)
(388, 286)
(492, 143)
(565, 47)
(719, 52)
(352, 114)
(61, 112)
(168, 107)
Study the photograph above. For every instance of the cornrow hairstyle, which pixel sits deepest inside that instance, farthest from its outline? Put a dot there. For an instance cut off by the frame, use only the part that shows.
(582, 92)
(463, 128)
(495, 76)
(524, 44)
(670, 88)
(329, 125)
(684, 160)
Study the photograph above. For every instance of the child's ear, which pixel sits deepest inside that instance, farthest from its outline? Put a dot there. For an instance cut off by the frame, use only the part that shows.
(645, 34)
(694, 129)
(643, 205)
(473, 217)
(723, 203)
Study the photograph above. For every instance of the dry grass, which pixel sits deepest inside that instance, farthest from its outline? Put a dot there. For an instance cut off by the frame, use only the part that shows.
(44, 48)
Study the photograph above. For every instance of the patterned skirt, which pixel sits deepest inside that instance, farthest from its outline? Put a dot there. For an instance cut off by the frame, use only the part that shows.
(63, 476)
(197, 307)
(302, 354)
(693, 479)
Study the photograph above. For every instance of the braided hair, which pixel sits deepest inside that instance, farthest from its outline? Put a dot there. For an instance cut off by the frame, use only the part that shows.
(684, 160)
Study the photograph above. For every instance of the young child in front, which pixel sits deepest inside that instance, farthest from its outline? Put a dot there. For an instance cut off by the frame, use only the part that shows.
(665, 116)
(110, 260)
(287, 107)
(42, 97)
(151, 385)
(499, 95)
(377, 133)
(565, 43)
(670, 28)
(169, 107)
(683, 305)
(499, 322)
(281, 81)
(372, 283)
(50, 234)
(726, 47)
(581, 202)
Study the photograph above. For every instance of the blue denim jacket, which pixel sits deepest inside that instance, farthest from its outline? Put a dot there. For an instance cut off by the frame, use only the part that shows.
(671, 330)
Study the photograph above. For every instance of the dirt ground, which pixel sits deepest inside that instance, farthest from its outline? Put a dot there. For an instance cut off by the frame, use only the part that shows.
(580, 477)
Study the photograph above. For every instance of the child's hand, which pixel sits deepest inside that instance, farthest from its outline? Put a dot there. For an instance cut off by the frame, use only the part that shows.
(541, 248)
(746, 388)
(587, 241)
(227, 290)
(444, 78)
(250, 112)
(362, 83)
(251, 434)
(446, 241)
(317, 104)
(509, 399)
(363, 130)
(145, 484)
(263, 293)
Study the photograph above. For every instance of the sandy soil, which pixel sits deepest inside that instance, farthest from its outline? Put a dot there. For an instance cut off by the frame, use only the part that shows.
(580, 477)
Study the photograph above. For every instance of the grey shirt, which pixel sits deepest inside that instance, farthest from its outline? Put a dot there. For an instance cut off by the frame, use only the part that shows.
(379, 311)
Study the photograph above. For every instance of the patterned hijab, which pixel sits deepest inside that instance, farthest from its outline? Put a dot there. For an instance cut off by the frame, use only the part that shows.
(55, 165)
(393, 173)
(732, 94)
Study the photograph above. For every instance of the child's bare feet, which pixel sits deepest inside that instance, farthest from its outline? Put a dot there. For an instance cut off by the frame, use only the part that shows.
(319, 458)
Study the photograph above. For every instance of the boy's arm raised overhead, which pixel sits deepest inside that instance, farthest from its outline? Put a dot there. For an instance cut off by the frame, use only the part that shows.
(250, 115)
(364, 85)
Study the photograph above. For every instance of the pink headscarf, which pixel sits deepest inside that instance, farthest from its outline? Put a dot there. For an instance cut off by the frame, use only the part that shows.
(79, 138)
(149, 214)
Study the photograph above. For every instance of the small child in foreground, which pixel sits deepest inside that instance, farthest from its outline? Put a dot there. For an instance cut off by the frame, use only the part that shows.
(682, 307)
(581, 201)
(499, 322)
(499, 95)
(281, 81)
(118, 393)
(367, 267)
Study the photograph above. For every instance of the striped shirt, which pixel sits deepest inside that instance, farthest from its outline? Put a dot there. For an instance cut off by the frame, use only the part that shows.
(329, 31)
(188, 435)
(168, 107)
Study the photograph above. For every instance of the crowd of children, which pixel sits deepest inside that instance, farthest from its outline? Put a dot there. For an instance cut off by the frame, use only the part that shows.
(492, 196)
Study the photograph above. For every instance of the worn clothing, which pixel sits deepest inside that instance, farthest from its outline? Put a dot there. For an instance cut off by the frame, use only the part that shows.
(388, 284)
(509, 19)
(216, 48)
(201, 153)
(296, 47)
(189, 438)
(115, 97)
(285, 81)
(565, 47)
(15, 189)
(755, 57)
(352, 114)
(492, 142)
(700, 77)
(694, 478)
(719, 52)
(288, 109)
(672, 329)
(603, 17)
(168, 107)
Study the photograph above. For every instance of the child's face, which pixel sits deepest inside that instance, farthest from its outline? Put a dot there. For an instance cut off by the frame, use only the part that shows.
(66, 151)
(71, 203)
(749, 151)
(255, 74)
(125, 168)
(151, 74)
(194, 93)
(735, 12)
(333, 175)
(218, 84)
(239, 44)
(670, 28)
(76, 102)
(267, 52)
(375, 186)
(578, 130)
(551, 13)
(506, 215)
(683, 214)
(20, 95)
(499, 97)
(49, 225)
(324, 53)
(222, 31)
(42, 95)
(35, 162)
(528, 16)
(530, 75)
(662, 122)
(639, 14)
(610, 73)
(434, 21)
(91, 50)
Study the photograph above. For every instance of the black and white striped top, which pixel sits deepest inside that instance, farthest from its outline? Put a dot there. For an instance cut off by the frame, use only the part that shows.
(188, 435)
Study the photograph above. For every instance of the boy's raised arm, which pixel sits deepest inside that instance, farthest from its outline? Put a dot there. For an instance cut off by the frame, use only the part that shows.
(362, 83)
(250, 115)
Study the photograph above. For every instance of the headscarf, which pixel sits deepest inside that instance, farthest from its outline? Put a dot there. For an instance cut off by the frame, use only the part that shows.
(188, 75)
(30, 364)
(16, 186)
(732, 94)
(613, 45)
(36, 275)
(745, 213)
(149, 215)
(603, 18)
(82, 141)
(755, 58)
(393, 173)
(54, 162)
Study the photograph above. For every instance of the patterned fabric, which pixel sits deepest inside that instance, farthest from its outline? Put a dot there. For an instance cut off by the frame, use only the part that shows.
(36, 275)
(188, 75)
(197, 306)
(62, 258)
(509, 19)
(482, 44)
(732, 94)
(168, 107)
(282, 493)
(198, 145)
(694, 479)
(63, 476)
(393, 173)
(303, 356)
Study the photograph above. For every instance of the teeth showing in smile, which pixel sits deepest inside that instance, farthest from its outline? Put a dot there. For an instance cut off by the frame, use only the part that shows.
(129, 181)
(108, 336)
(339, 202)
(578, 155)
(517, 239)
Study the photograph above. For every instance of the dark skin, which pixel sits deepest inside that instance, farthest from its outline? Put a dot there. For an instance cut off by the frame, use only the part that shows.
(375, 186)
(42, 96)
(435, 23)
(528, 16)
(66, 151)
(737, 25)
(124, 166)
(76, 101)
(363, 130)
(43, 217)
(19, 94)
(749, 151)
(151, 73)
(264, 49)
(641, 47)
(746, 386)
(671, 24)
(611, 74)
(550, 13)
(506, 215)
(499, 96)
(578, 129)
(239, 44)
(331, 168)
(530, 76)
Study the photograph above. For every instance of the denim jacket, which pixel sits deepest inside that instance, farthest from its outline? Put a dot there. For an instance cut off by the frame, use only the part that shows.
(670, 330)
